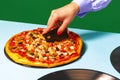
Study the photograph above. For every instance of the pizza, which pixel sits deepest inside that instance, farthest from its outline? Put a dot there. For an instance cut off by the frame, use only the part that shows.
(30, 48)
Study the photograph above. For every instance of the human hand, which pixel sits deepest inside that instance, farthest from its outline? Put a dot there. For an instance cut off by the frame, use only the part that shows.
(63, 16)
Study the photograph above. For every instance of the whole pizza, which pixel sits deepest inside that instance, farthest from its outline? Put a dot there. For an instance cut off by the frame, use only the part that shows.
(31, 48)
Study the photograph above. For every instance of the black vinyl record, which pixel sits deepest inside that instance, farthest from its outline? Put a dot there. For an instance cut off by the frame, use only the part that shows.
(78, 74)
(115, 58)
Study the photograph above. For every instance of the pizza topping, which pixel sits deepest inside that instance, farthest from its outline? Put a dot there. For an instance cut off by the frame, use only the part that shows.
(33, 46)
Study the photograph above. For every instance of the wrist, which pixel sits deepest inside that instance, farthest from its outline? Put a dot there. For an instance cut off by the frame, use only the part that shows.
(75, 7)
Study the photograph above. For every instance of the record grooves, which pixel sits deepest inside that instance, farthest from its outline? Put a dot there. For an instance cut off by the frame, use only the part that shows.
(78, 74)
(115, 58)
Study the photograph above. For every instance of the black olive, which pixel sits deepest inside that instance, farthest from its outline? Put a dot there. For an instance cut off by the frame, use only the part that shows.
(20, 42)
(31, 34)
(32, 54)
(14, 47)
(46, 51)
(33, 37)
(57, 49)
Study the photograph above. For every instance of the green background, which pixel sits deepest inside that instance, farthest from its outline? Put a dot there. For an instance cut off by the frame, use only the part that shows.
(38, 12)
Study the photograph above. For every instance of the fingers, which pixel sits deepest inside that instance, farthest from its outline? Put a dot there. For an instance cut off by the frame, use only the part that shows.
(51, 22)
(53, 19)
(63, 27)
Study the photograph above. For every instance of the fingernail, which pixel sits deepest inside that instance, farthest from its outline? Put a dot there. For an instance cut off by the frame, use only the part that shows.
(58, 32)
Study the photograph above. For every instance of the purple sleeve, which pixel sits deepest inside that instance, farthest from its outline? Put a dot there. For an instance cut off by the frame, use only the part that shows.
(90, 6)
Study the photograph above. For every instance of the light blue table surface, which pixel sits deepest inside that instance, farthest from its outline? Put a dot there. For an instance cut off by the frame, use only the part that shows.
(98, 48)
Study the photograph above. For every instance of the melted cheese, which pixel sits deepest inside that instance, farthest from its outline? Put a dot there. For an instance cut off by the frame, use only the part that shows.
(38, 48)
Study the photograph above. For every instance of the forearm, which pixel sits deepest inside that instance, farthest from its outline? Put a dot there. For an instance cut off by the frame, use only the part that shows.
(86, 6)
